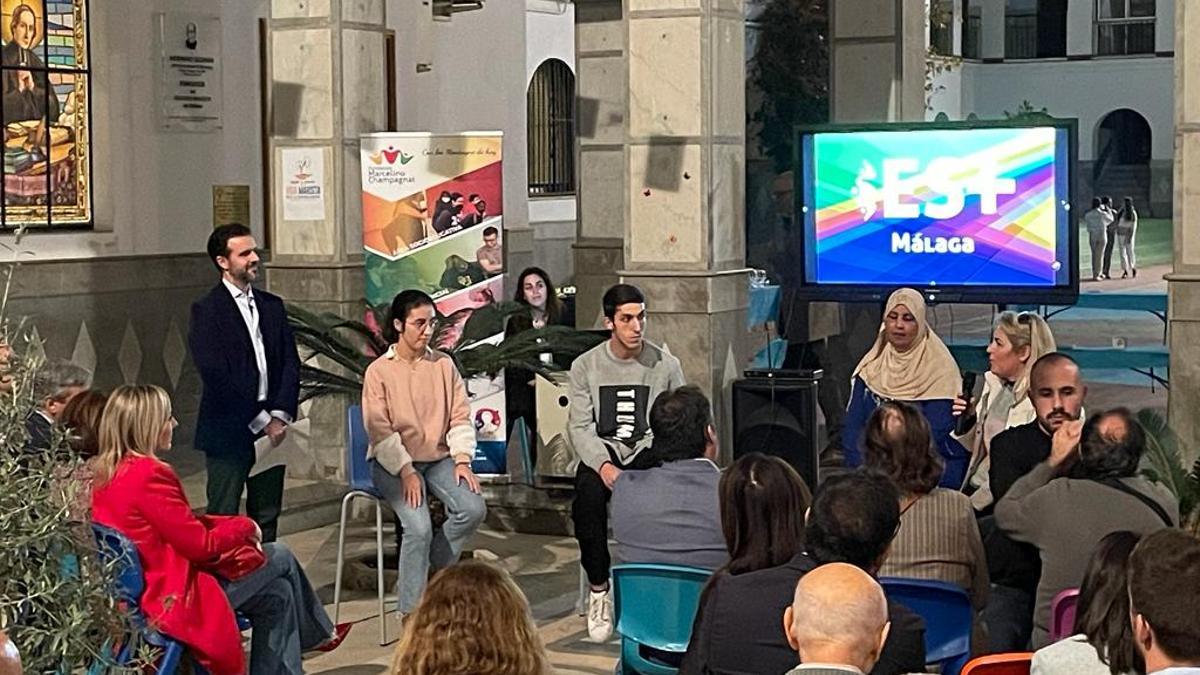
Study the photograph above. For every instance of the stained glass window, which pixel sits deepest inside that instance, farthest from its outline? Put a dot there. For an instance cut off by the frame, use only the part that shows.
(44, 109)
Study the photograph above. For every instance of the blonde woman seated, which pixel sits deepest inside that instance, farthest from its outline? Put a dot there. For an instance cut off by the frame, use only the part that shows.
(1018, 341)
(472, 620)
(938, 538)
(139, 495)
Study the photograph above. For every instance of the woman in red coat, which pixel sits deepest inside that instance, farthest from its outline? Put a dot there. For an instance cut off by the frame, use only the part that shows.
(139, 495)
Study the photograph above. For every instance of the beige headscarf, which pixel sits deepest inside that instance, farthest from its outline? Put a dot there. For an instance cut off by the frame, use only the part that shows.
(926, 371)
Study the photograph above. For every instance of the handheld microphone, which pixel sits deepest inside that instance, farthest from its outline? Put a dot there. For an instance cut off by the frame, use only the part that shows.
(967, 419)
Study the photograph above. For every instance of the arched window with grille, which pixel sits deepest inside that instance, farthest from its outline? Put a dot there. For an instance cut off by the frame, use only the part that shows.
(551, 119)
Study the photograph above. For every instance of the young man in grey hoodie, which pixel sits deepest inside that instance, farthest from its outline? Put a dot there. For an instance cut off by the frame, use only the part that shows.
(612, 387)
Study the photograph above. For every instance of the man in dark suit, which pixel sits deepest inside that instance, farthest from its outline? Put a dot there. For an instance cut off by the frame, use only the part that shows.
(739, 627)
(246, 355)
(54, 385)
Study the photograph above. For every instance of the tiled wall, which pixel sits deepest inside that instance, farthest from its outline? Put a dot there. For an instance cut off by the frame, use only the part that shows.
(126, 319)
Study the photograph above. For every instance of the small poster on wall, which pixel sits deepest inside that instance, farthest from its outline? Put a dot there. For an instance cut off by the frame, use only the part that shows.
(433, 221)
(303, 183)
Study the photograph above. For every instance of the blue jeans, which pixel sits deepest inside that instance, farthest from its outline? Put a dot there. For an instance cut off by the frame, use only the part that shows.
(284, 611)
(419, 546)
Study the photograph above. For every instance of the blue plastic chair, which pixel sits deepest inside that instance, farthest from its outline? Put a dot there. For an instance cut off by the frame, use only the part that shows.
(948, 616)
(358, 475)
(118, 548)
(654, 606)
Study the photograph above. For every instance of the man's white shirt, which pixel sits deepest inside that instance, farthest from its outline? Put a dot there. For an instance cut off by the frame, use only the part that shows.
(250, 315)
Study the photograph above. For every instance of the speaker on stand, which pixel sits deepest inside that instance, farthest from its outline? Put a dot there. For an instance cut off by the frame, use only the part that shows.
(775, 413)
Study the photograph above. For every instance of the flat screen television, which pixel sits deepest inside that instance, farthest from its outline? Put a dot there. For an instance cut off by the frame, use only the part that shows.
(961, 211)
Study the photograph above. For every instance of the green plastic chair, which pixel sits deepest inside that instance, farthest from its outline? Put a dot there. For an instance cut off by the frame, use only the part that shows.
(654, 606)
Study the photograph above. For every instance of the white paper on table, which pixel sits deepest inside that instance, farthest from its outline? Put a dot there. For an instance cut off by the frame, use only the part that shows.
(294, 442)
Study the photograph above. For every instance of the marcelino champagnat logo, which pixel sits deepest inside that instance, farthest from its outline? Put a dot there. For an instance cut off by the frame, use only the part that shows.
(386, 167)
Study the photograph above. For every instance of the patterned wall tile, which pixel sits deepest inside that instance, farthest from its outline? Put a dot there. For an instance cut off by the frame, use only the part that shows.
(129, 358)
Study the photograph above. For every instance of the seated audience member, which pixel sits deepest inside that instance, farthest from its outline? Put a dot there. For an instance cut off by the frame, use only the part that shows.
(908, 362)
(737, 629)
(10, 658)
(139, 495)
(669, 513)
(838, 621)
(1018, 341)
(763, 505)
(1164, 593)
(938, 538)
(81, 420)
(1057, 393)
(1103, 639)
(54, 385)
(1067, 517)
(472, 619)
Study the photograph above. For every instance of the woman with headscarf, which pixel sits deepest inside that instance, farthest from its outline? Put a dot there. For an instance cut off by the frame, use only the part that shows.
(908, 363)
(1018, 341)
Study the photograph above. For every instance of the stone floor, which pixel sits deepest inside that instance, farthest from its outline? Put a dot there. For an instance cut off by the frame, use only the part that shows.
(545, 567)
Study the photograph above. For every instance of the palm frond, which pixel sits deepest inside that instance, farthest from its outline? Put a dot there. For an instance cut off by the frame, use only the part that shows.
(1163, 462)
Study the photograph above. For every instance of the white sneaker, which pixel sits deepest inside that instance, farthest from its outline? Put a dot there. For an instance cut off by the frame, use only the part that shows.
(599, 616)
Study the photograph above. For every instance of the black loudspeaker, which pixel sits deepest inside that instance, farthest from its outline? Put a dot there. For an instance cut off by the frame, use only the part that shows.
(778, 416)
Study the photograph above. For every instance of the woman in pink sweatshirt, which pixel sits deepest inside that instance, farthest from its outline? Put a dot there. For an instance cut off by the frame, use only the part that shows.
(419, 424)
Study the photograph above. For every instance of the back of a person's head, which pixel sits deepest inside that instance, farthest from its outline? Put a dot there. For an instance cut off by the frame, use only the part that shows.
(1164, 592)
(897, 442)
(472, 618)
(763, 500)
(58, 375)
(1103, 610)
(1111, 445)
(81, 417)
(853, 519)
(132, 423)
(838, 611)
(680, 419)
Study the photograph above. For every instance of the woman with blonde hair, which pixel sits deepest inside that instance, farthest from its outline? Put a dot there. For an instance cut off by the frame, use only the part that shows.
(182, 555)
(908, 363)
(1018, 341)
(472, 620)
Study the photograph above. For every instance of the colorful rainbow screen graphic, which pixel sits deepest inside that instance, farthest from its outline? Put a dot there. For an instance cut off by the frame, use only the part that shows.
(938, 207)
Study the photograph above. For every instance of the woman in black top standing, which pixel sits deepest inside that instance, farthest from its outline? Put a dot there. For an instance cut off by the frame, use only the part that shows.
(536, 291)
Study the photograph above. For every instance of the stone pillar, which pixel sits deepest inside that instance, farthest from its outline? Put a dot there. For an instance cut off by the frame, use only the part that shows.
(991, 42)
(877, 59)
(1183, 283)
(684, 184)
(601, 74)
(327, 79)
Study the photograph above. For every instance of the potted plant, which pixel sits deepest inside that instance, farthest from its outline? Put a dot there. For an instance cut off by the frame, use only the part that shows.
(336, 351)
(1163, 462)
(57, 600)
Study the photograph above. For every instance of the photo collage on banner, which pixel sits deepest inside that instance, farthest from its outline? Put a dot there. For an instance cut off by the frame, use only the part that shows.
(433, 221)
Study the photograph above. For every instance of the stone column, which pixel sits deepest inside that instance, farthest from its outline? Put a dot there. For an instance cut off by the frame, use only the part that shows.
(991, 43)
(877, 59)
(601, 75)
(1183, 283)
(327, 82)
(684, 189)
